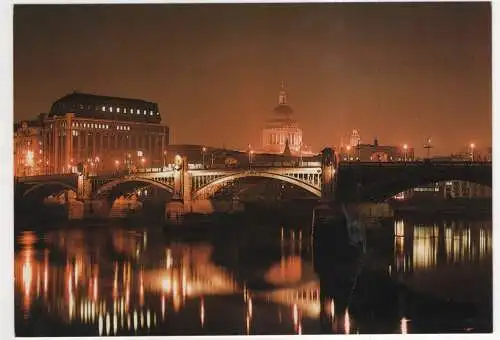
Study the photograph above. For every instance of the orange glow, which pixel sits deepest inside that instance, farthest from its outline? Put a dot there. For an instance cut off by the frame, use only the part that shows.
(75, 271)
(247, 324)
(202, 312)
(250, 307)
(95, 288)
(163, 307)
(45, 279)
(295, 315)
(288, 270)
(405, 147)
(27, 278)
(177, 302)
(115, 281)
(141, 290)
(127, 296)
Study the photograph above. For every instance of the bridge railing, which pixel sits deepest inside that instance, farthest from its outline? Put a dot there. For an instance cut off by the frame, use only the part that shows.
(413, 163)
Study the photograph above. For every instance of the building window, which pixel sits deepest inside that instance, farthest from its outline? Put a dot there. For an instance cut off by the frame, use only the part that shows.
(103, 109)
(157, 113)
(118, 109)
(138, 112)
(144, 111)
(125, 110)
(110, 109)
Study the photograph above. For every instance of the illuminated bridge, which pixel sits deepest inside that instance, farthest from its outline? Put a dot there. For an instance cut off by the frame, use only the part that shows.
(327, 179)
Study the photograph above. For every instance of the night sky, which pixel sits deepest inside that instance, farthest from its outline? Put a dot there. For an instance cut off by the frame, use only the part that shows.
(399, 72)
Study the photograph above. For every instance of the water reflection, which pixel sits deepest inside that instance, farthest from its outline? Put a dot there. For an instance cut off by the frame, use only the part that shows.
(133, 286)
(420, 247)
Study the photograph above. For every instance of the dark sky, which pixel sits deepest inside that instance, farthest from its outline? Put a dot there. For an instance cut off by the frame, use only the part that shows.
(400, 72)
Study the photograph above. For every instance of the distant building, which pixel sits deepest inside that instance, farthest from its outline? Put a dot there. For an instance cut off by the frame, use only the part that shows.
(30, 158)
(447, 190)
(374, 152)
(355, 138)
(220, 157)
(99, 133)
(282, 129)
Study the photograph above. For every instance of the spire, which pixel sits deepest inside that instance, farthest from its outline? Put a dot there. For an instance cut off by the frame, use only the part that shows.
(287, 152)
(282, 96)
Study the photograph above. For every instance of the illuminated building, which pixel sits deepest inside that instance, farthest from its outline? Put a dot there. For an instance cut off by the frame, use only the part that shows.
(375, 152)
(281, 129)
(29, 156)
(355, 139)
(100, 133)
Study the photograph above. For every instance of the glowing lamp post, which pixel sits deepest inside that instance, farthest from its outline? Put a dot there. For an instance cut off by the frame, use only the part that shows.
(117, 164)
(348, 148)
(203, 150)
(472, 147)
(143, 161)
(405, 148)
(250, 157)
(428, 146)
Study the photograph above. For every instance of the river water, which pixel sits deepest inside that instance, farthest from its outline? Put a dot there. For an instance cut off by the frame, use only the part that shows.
(254, 276)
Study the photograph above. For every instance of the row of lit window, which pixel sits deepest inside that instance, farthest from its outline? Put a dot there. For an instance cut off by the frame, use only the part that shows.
(91, 125)
(427, 189)
(131, 111)
(99, 126)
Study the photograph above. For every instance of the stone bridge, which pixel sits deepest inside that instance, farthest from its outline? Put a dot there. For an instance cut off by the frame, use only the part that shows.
(328, 179)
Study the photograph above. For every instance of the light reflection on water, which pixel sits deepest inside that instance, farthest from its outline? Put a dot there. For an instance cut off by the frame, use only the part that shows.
(143, 282)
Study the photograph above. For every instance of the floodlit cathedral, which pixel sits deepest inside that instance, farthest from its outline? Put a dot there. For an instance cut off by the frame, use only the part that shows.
(282, 133)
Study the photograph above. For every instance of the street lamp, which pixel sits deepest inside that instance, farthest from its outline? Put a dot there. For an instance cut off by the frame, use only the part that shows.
(348, 148)
(250, 157)
(203, 150)
(428, 146)
(117, 164)
(405, 148)
(472, 146)
(143, 161)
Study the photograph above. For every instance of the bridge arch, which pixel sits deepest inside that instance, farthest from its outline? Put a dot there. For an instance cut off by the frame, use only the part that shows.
(50, 186)
(214, 185)
(392, 185)
(108, 187)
